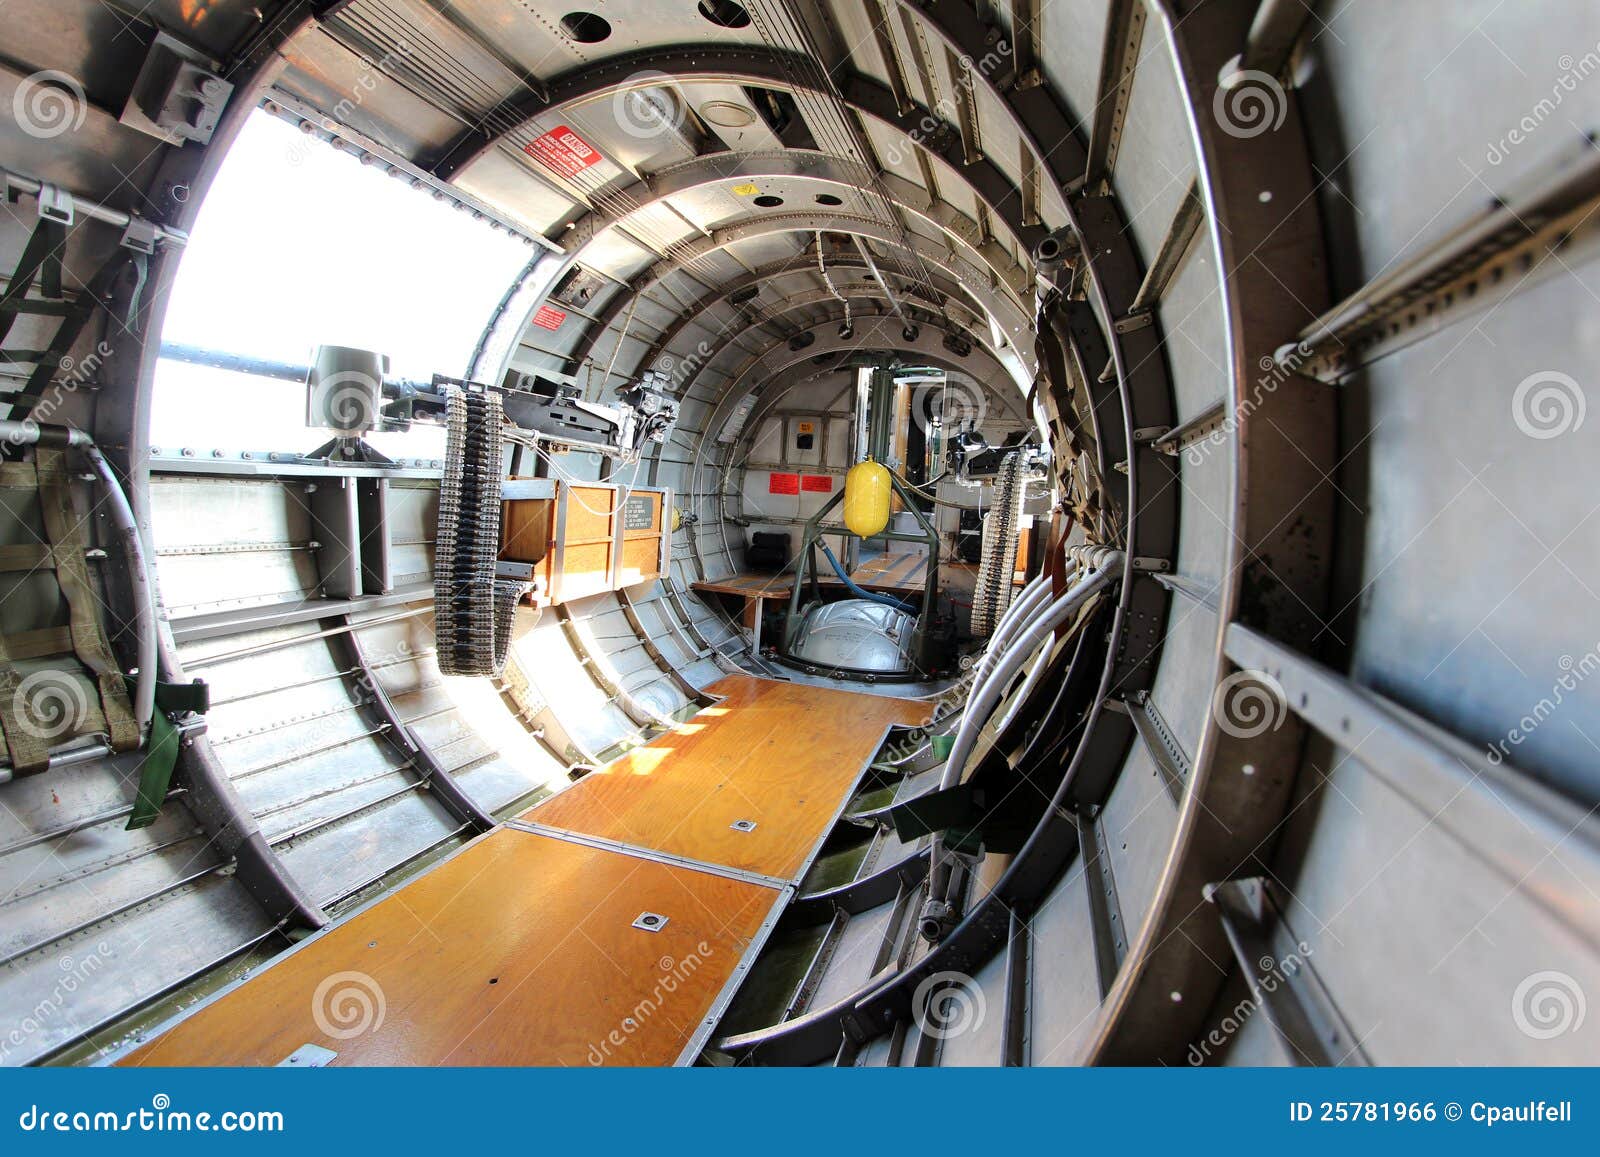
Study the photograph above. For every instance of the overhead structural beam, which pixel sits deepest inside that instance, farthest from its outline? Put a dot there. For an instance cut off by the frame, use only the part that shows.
(693, 315)
(727, 168)
(1498, 253)
(1185, 224)
(708, 352)
(947, 297)
(1012, 402)
(1007, 314)
(1119, 61)
(1274, 32)
(772, 368)
(766, 68)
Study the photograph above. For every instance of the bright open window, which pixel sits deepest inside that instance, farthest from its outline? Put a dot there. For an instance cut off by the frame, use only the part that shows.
(299, 244)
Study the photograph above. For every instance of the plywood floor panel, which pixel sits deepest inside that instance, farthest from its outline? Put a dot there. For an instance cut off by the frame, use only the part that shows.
(518, 950)
(783, 755)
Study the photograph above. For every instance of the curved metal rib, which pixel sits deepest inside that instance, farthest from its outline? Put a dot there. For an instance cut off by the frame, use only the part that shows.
(858, 895)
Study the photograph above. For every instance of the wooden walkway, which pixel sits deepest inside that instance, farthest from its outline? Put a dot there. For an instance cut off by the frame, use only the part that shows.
(534, 944)
(783, 757)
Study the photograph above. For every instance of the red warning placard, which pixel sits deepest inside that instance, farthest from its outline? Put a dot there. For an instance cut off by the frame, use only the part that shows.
(783, 484)
(563, 151)
(816, 484)
(546, 318)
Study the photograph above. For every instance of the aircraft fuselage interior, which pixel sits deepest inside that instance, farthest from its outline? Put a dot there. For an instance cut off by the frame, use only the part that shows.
(864, 533)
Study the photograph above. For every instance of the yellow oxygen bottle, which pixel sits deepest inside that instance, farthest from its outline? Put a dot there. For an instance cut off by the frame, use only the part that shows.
(866, 499)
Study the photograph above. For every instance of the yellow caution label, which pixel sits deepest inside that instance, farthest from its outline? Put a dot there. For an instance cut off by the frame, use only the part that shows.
(747, 190)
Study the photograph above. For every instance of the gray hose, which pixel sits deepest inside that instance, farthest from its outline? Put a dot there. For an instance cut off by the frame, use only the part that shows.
(144, 606)
(1021, 607)
(1106, 566)
(31, 433)
(1034, 603)
(1035, 673)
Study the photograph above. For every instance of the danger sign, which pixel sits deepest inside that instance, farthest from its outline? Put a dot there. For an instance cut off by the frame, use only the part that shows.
(783, 484)
(563, 151)
(546, 318)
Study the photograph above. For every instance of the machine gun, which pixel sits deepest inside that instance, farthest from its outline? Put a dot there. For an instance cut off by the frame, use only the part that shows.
(474, 604)
(349, 392)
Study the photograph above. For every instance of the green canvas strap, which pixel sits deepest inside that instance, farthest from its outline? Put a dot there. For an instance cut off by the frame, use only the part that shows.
(155, 774)
(24, 741)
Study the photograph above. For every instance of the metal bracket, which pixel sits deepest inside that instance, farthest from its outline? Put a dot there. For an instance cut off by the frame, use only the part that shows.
(1282, 978)
(55, 204)
(1137, 320)
(743, 825)
(307, 1056)
(139, 235)
(650, 921)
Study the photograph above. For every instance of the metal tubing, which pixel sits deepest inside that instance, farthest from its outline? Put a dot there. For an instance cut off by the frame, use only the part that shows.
(1038, 603)
(1021, 607)
(1106, 567)
(18, 183)
(144, 604)
(872, 267)
(30, 433)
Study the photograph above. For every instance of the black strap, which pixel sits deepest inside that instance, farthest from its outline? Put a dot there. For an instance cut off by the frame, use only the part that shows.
(41, 257)
(67, 333)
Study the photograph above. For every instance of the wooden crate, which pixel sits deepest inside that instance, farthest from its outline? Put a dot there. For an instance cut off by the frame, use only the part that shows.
(582, 542)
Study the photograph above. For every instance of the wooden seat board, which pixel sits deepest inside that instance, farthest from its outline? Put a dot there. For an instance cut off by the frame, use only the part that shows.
(894, 574)
(783, 755)
(518, 950)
